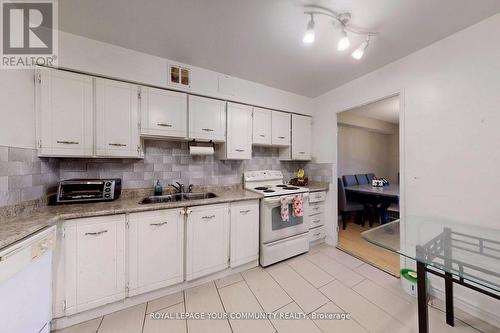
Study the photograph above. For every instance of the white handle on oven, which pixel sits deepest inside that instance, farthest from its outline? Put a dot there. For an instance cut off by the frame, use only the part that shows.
(278, 199)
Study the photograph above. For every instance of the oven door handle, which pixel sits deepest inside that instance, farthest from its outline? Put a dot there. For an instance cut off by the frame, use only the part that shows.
(276, 200)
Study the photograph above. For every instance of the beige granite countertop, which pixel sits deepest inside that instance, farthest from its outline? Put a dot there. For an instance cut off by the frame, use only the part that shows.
(317, 186)
(16, 228)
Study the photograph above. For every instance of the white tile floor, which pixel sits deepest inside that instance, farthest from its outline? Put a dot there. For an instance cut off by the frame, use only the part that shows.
(325, 280)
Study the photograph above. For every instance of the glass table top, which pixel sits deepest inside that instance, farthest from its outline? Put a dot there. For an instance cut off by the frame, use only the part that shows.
(468, 252)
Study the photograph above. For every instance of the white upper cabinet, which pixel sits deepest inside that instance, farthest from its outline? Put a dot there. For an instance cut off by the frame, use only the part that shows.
(301, 137)
(207, 119)
(95, 262)
(238, 144)
(163, 113)
(117, 124)
(64, 113)
(281, 128)
(244, 232)
(207, 240)
(262, 132)
(156, 255)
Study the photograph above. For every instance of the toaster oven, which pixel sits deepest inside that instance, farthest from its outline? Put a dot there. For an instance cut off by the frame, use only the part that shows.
(85, 190)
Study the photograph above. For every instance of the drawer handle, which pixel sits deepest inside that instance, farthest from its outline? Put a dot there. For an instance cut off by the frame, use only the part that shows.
(240, 150)
(317, 234)
(117, 144)
(158, 224)
(245, 211)
(207, 129)
(302, 152)
(317, 221)
(262, 135)
(208, 217)
(281, 137)
(69, 142)
(164, 125)
(316, 208)
(96, 233)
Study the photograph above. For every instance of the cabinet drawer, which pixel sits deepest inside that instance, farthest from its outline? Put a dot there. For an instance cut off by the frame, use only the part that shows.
(316, 221)
(316, 234)
(317, 196)
(316, 208)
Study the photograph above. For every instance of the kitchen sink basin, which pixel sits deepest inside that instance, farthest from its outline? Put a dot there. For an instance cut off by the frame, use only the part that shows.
(178, 197)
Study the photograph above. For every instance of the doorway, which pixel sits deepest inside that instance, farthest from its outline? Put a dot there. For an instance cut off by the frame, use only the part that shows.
(368, 149)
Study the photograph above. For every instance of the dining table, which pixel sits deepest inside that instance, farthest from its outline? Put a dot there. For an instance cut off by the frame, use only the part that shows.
(463, 254)
(390, 191)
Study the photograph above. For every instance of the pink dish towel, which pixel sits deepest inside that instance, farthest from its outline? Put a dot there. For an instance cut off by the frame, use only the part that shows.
(284, 208)
(298, 205)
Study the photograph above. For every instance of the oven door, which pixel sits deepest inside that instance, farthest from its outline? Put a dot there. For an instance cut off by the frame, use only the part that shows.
(272, 226)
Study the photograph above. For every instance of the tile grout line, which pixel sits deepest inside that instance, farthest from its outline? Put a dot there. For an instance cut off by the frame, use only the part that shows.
(310, 281)
(185, 311)
(341, 308)
(144, 317)
(223, 307)
(261, 306)
(100, 323)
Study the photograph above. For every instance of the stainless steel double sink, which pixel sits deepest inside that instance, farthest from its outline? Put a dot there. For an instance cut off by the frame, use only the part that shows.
(178, 197)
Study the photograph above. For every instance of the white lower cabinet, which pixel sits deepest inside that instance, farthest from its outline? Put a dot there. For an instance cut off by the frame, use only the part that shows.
(95, 262)
(207, 240)
(156, 256)
(244, 232)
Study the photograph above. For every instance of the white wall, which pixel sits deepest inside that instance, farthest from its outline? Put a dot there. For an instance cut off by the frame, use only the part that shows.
(450, 120)
(364, 151)
(17, 125)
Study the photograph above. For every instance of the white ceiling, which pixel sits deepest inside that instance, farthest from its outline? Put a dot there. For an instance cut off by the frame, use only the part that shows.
(261, 40)
(386, 110)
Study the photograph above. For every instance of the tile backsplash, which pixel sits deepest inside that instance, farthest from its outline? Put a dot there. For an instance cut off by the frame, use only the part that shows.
(24, 176)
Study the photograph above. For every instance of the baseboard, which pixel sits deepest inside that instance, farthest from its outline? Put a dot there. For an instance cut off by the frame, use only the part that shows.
(63, 322)
(466, 306)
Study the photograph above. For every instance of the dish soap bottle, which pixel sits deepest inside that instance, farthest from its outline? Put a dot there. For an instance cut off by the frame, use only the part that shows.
(158, 188)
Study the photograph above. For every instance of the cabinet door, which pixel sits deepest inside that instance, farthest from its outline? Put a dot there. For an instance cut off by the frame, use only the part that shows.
(261, 126)
(207, 240)
(64, 114)
(280, 128)
(239, 131)
(117, 125)
(207, 119)
(95, 262)
(163, 113)
(301, 137)
(156, 241)
(244, 232)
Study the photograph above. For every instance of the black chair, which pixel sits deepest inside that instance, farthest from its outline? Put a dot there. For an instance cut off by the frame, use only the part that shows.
(349, 180)
(348, 207)
(362, 179)
(370, 177)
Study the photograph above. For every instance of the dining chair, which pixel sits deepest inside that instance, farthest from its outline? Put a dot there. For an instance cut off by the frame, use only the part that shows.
(370, 177)
(362, 179)
(346, 208)
(349, 180)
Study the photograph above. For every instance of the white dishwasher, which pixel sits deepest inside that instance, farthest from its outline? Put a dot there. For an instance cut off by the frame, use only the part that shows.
(26, 284)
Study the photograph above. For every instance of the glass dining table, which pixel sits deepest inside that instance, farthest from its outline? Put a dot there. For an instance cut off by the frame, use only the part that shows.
(467, 255)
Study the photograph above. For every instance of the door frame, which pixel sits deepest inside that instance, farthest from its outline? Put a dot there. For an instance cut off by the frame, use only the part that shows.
(402, 163)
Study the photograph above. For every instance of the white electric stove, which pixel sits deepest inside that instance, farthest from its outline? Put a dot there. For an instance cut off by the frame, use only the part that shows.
(279, 239)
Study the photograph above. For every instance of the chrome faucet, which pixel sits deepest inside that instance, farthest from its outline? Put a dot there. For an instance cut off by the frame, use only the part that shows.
(180, 188)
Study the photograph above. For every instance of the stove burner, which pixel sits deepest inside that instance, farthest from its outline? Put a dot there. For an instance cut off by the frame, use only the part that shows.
(261, 188)
(283, 185)
(268, 191)
(290, 188)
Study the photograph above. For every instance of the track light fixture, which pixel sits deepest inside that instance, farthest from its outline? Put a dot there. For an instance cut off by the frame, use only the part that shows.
(341, 20)
(360, 51)
(309, 35)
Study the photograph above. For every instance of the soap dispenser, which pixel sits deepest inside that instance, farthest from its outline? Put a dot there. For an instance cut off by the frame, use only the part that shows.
(158, 188)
